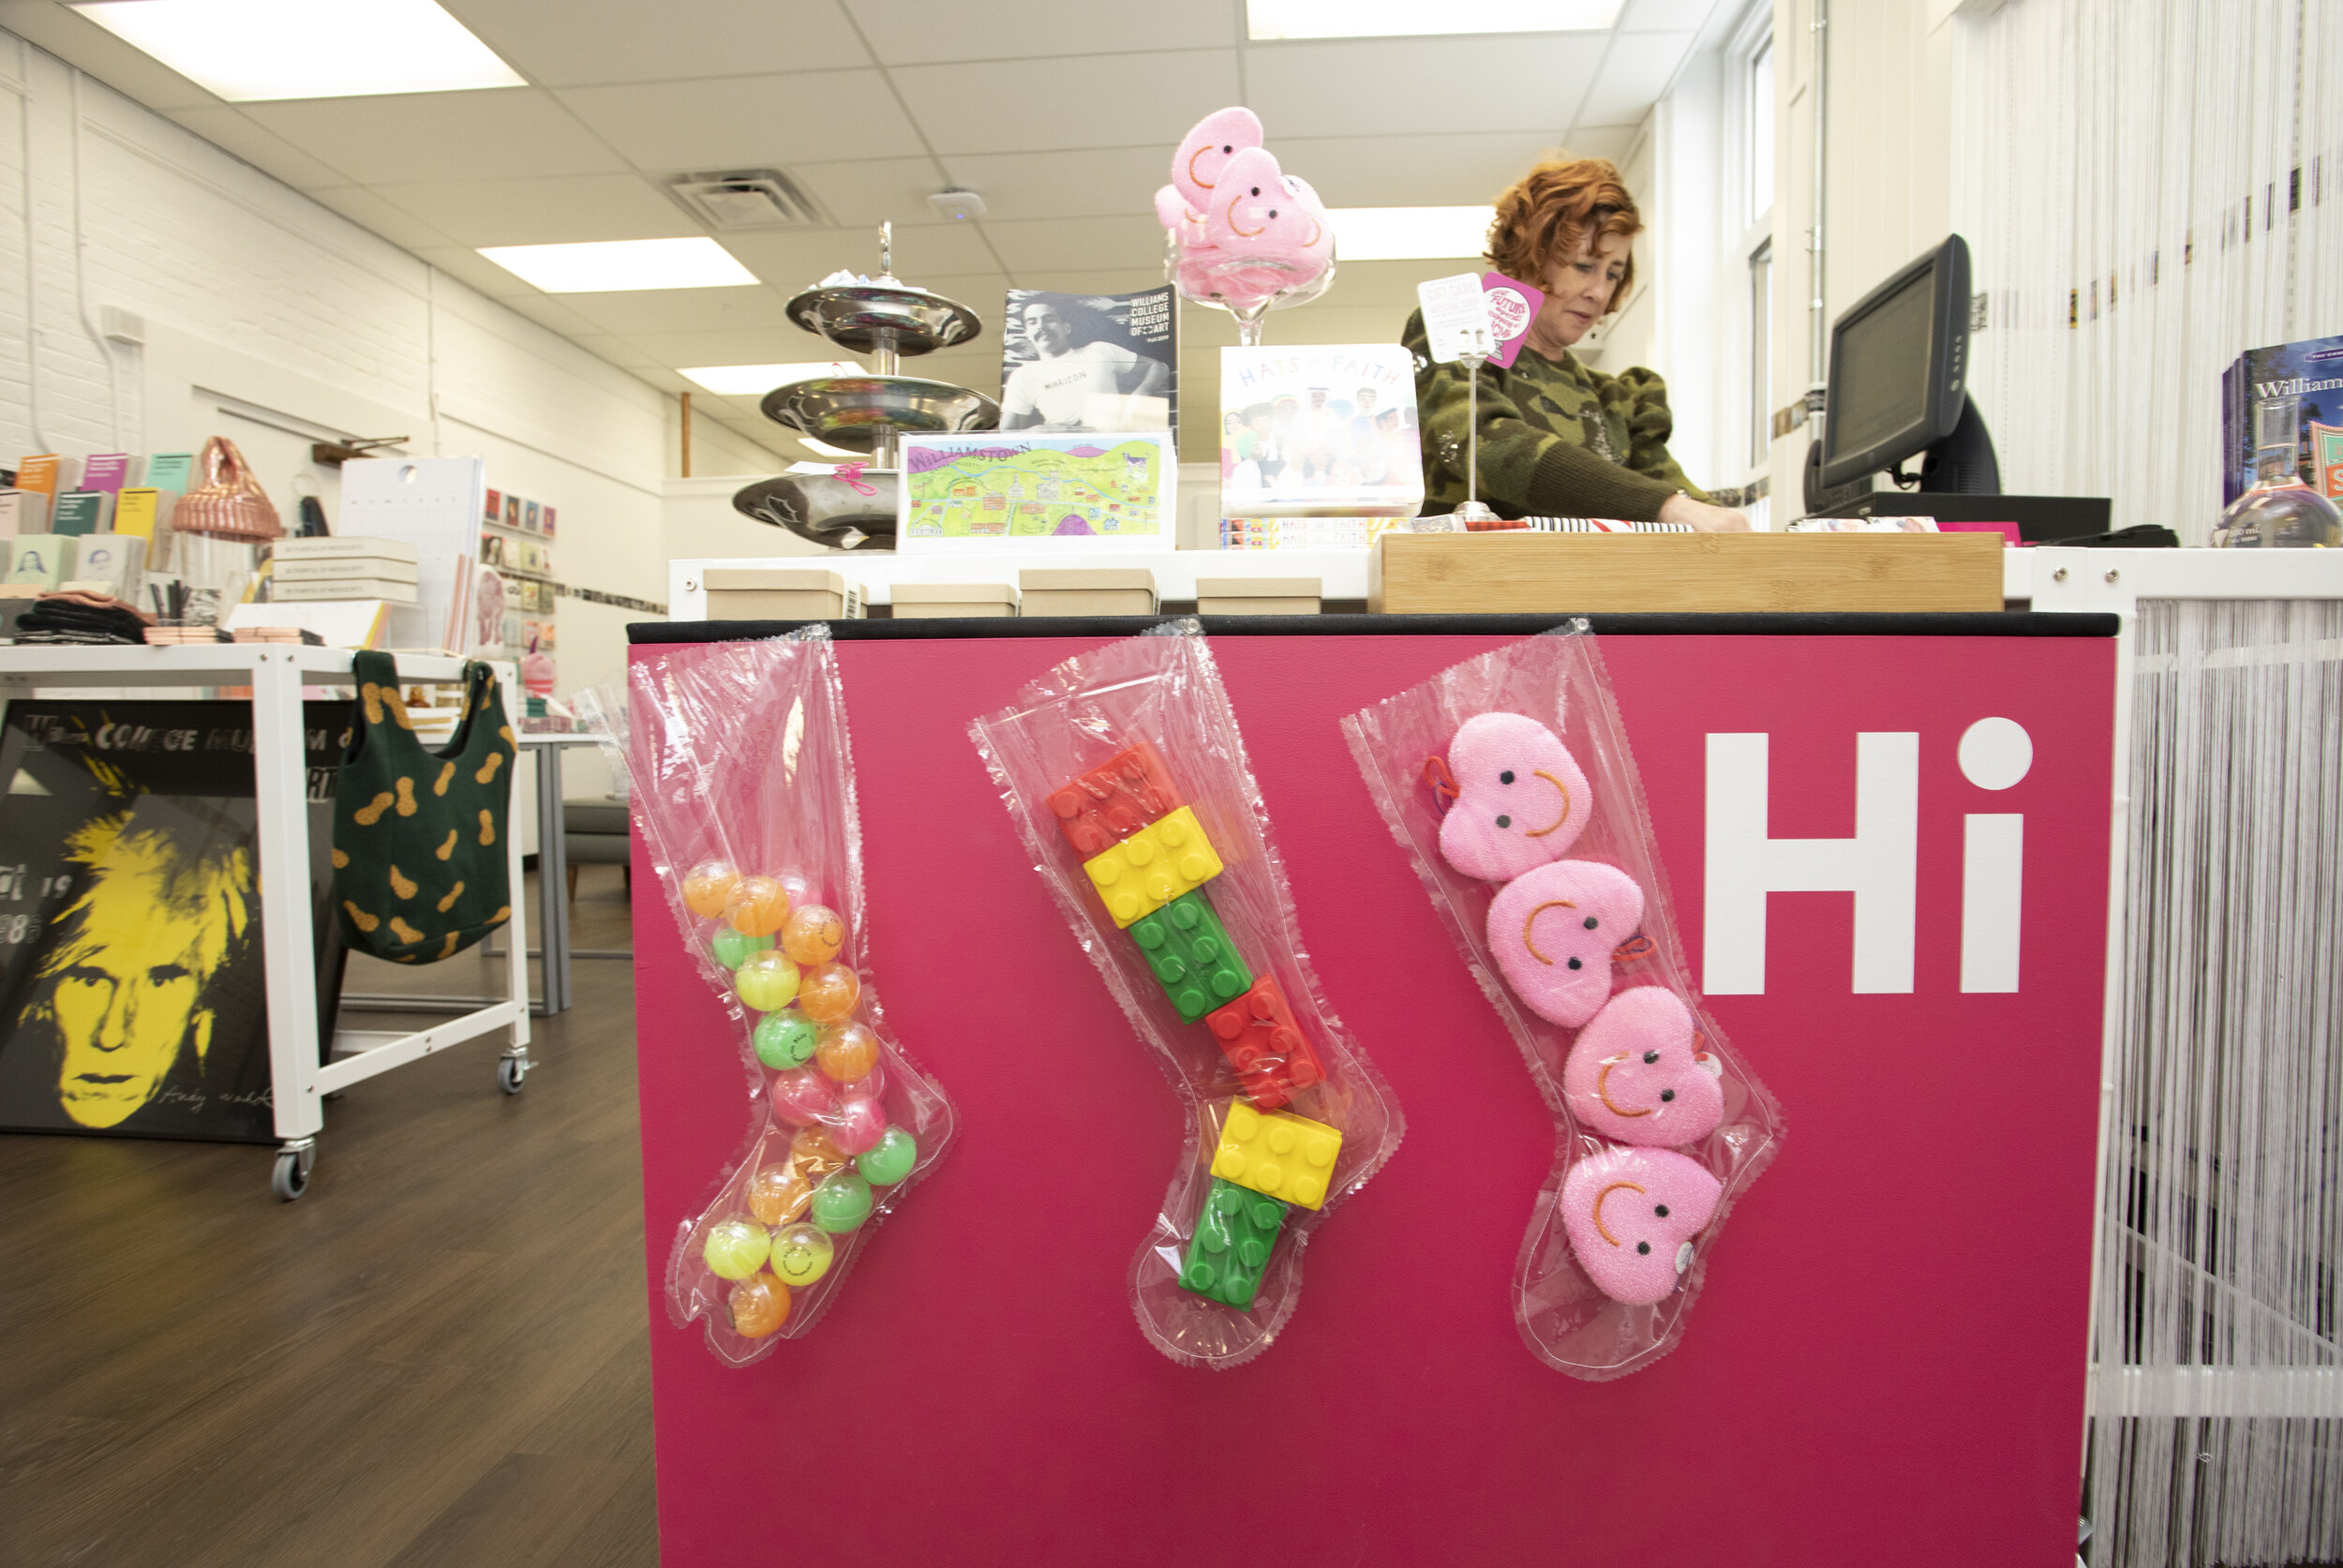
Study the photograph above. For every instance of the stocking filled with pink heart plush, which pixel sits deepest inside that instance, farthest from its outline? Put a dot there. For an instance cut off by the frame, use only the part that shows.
(1508, 781)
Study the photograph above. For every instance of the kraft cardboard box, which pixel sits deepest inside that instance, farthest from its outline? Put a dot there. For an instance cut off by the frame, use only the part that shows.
(781, 594)
(1088, 589)
(934, 601)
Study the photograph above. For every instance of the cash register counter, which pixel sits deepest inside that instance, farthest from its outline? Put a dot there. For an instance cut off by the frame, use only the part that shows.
(1888, 1363)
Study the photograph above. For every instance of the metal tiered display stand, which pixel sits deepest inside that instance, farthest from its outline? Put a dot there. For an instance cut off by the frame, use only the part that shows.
(889, 321)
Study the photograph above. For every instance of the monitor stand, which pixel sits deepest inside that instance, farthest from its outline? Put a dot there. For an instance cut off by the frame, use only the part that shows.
(1963, 464)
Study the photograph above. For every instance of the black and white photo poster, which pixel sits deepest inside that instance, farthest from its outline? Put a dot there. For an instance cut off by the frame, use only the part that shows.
(1090, 361)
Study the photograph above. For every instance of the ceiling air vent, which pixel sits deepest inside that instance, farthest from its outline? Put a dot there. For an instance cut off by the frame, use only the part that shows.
(746, 199)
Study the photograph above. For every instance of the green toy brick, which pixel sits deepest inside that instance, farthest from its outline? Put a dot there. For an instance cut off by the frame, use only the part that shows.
(1234, 1234)
(1193, 960)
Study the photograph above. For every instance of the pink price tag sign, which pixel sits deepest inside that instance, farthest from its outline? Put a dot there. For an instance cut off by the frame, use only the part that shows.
(1512, 306)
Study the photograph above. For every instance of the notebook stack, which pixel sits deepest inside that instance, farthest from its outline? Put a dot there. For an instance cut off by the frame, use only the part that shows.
(343, 567)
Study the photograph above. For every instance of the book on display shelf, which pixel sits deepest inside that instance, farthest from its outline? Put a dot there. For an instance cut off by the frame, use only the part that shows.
(1326, 431)
(1089, 362)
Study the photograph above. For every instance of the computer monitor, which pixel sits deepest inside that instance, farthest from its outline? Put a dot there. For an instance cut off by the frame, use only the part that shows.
(1898, 387)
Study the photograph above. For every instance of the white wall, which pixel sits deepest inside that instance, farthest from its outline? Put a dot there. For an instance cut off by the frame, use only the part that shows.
(273, 319)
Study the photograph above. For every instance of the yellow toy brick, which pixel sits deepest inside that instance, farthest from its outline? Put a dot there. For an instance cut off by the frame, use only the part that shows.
(1154, 866)
(1277, 1154)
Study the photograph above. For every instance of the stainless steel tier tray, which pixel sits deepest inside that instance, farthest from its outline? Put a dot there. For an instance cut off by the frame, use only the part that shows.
(856, 316)
(853, 411)
(828, 510)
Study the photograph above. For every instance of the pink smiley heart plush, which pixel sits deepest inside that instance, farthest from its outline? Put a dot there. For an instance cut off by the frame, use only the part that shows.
(1201, 157)
(1521, 801)
(1632, 1215)
(1638, 1075)
(1552, 930)
(1251, 211)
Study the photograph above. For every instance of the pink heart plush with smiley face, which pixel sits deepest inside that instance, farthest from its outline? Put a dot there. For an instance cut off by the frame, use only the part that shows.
(1521, 799)
(1204, 153)
(1637, 1073)
(1552, 931)
(1632, 1215)
(1253, 213)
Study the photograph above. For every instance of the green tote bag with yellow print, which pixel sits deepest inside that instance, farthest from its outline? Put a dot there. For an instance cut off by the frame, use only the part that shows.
(420, 868)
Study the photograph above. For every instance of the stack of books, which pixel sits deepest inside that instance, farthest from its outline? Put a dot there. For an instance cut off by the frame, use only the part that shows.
(343, 567)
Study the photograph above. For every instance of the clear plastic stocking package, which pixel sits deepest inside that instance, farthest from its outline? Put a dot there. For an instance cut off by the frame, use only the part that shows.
(742, 784)
(1509, 781)
(1126, 777)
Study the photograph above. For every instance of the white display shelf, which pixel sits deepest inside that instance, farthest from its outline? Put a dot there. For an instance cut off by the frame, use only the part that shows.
(1341, 574)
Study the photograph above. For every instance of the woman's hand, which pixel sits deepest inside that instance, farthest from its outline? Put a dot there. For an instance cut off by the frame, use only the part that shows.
(1701, 517)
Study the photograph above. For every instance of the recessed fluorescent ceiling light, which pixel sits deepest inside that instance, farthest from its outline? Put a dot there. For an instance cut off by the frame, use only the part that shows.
(1409, 233)
(606, 266)
(755, 381)
(248, 51)
(1385, 18)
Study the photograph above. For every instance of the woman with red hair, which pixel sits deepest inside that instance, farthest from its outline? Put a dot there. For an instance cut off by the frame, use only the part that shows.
(1557, 439)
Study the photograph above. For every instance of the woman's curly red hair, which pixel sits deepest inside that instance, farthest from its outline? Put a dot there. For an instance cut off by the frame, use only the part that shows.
(1555, 211)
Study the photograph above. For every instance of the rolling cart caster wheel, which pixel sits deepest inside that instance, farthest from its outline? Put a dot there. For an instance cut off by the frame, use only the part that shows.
(511, 1073)
(290, 1178)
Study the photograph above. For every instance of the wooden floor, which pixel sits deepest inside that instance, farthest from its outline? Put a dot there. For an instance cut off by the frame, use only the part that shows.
(437, 1356)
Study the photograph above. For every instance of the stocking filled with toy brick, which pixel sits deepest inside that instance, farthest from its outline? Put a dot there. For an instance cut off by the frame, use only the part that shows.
(1509, 781)
(1128, 780)
(742, 787)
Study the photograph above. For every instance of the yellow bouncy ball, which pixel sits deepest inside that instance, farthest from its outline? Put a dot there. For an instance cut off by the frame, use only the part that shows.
(735, 1248)
(802, 1254)
(766, 981)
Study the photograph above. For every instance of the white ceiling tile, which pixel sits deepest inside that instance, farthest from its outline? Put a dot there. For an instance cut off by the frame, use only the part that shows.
(475, 269)
(906, 31)
(869, 191)
(1612, 141)
(618, 350)
(631, 312)
(1078, 244)
(1410, 86)
(791, 260)
(980, 291)
(1379, 284)
(1111, 100)
(1636, 73)
(1664, 16)
(227, 128)
(582, 41)
(501, 132)
(744, 122)
(1457, 170)
(395, 224)
(549, 312)
(750, 346)
(562, 209)
(1082, 184)
(77, 41)
(1094, 281)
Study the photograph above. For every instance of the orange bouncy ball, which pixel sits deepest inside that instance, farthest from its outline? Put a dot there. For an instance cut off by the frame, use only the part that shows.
(778, 1194)
(813, 935)
(758, 906)
(847, 1051)
(828, 992)
(708, 889)
(813, 1155)
(759, 1306)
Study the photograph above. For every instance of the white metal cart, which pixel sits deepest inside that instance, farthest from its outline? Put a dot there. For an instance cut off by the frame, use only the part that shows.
(276, 674)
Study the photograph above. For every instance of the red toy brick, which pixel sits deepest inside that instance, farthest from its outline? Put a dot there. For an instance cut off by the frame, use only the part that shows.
(1109, 804)
(1272, 1056)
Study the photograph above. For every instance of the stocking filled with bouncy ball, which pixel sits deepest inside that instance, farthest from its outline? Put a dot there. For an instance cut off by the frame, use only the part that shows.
(743, 791)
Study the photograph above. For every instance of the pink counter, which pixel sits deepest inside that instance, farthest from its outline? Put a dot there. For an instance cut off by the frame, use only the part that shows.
(1888, 1363)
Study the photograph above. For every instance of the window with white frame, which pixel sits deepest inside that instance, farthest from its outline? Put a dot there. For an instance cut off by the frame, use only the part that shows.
(1748, 126)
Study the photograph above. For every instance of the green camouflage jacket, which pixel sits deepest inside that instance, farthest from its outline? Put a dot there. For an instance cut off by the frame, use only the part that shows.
(1557, 439)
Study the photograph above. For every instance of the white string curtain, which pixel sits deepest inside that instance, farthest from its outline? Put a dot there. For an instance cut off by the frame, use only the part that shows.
(2148, 187)
(2217, 1433)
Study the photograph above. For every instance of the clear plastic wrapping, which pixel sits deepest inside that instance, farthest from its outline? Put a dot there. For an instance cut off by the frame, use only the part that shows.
(1128, 780)
(742, 784)
(1508, 781)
